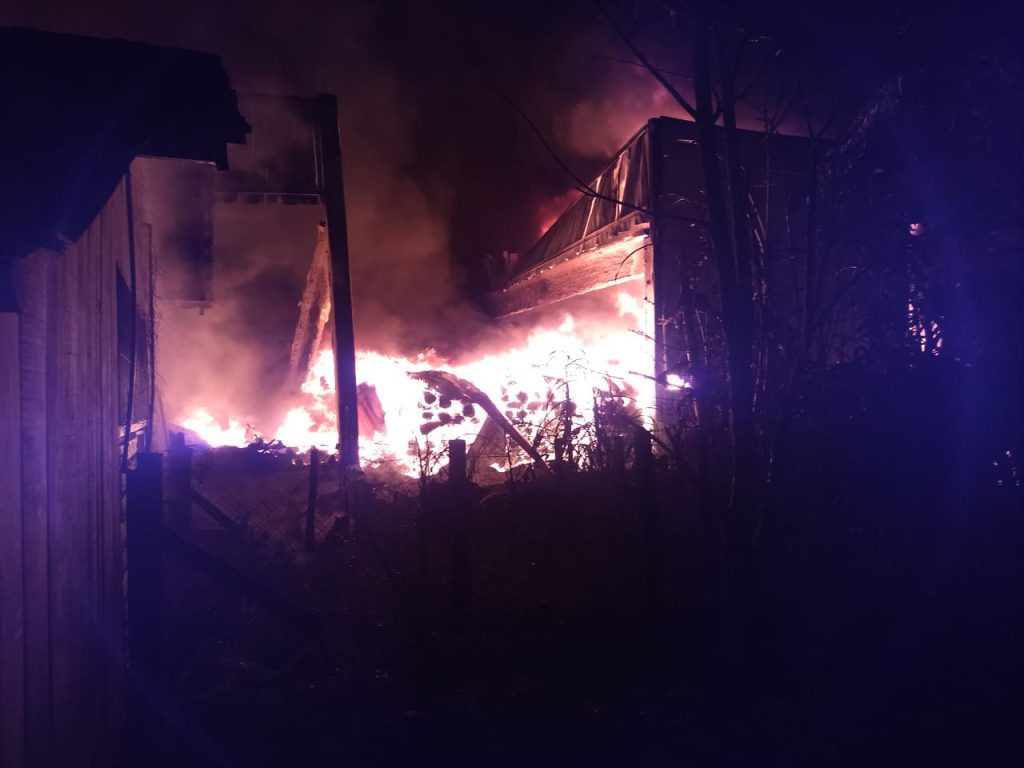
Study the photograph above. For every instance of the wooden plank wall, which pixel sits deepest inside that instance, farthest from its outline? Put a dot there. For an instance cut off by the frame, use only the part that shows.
(71, 505)
(12, 619)
(34, 305)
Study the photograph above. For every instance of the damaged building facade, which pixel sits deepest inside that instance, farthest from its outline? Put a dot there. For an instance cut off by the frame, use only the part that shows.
(644, 221)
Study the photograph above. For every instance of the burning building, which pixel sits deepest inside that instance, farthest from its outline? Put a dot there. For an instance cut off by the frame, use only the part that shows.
(109, 149)
(642, 224)
(608, 323)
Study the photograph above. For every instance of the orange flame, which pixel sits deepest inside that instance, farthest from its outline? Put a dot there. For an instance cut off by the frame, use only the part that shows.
(552, 363)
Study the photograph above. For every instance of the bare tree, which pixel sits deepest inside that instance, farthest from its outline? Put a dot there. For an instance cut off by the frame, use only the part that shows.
(716, 50)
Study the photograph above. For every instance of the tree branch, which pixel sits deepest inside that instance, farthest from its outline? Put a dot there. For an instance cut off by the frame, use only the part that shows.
(579, 184)
(655, 72)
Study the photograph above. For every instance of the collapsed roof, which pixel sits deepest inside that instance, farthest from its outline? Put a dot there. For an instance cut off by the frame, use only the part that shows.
(605, 236)
(592, 244)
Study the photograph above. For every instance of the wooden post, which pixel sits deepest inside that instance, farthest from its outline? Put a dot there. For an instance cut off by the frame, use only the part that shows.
(649, 518)
(314, 472)
(618, 456)
(456, 463)
(333, 192)
(144, 512)
(179, 484)
(643, 448)
(458, 513)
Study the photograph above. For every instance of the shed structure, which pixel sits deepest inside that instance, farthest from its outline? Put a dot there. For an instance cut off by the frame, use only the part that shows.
(107, 151)
(645, 218)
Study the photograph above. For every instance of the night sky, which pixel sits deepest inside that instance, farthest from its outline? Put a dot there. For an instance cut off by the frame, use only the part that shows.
(441, 166)
(419, 81)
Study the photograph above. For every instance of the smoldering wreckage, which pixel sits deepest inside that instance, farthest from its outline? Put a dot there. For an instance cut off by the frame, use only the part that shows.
(600, 387)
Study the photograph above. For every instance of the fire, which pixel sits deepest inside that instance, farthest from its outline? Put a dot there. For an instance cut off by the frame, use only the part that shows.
(554, 207)
(202, 422)
(314, 425)
(530, 382)
(676, 382)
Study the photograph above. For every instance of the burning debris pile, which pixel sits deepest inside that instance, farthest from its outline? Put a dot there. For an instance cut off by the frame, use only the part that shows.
(528, 404)
(549, 386)
(571, 363)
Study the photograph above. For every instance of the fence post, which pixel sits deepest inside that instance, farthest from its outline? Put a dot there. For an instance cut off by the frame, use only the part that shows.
(458, 514)
(456, 463)
(144, 513)
(314, 472)
(179, 484)
(618, 457)
(649, 519)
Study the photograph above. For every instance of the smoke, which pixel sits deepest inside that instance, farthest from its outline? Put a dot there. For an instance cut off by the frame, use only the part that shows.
(437, 172)
(406, 291)
(601, 123)
(232, 358)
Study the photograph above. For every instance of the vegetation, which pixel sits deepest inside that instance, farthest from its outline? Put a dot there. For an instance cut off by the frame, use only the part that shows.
(821, 570)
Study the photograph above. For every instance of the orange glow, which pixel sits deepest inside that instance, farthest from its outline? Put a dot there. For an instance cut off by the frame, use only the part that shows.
(608, 357)
(551, 209)
(314, 424)
(676, 382)
(202, 422)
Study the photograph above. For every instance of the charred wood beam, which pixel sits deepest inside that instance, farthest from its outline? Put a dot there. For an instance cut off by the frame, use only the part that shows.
(314, 311)
(341, 288)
